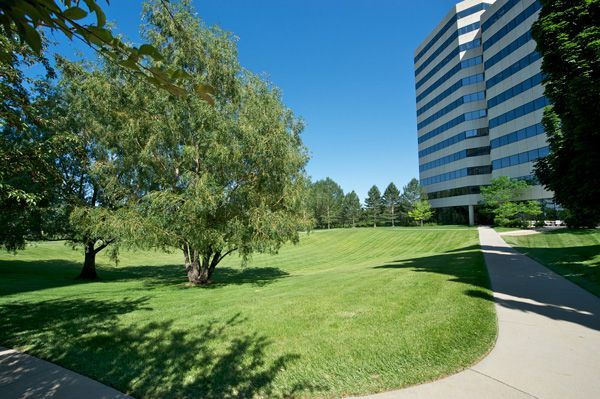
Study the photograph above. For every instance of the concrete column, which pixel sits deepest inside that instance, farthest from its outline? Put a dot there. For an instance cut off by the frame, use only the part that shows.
(471, 215)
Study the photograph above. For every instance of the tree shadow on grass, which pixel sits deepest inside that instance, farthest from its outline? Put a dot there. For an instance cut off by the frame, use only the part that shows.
(533, 289)
(18, 276)
(22, 276)
(216, 359)
(463, 265)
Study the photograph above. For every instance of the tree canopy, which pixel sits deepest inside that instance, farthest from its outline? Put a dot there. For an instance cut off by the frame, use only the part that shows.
(421, 211)
(568, 37)
(216, 179)
(327, 199)
(501, 198)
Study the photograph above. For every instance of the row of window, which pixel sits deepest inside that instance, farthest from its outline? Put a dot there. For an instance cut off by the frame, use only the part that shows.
(449, 24)
(518, 112)
(511, 70)
(518, 135)
(514, 68)
(467, 153)
(446, 44)
(515, 90)
(520, 158)
(455, 192)
(506, 51)
(477, 96)
(453, 140)
(469, 62)
(469, 80)
(516, 21)
(498, 14)
(463, 47)
(469, 116)
(457, 174)
(531, 179)
(469, 190)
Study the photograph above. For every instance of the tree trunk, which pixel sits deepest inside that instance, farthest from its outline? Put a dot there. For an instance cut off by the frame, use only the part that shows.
(393, 216)
(421, 222)
(197, 273)
(200, 269)
(88, 272)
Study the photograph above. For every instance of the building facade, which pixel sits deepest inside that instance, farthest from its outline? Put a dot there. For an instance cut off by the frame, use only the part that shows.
(479, 102)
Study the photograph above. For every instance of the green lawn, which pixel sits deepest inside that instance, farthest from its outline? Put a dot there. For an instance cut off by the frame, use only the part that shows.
(345, 312)
(574, 254)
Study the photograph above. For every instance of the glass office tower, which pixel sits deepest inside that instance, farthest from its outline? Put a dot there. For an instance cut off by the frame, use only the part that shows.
(479, 102)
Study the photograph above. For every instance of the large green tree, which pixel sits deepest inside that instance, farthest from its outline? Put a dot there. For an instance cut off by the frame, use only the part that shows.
(374, 205)
(327, 198)
(568, 36)
(95, 199)
(391, 199)
(28, 174)
(214, 179)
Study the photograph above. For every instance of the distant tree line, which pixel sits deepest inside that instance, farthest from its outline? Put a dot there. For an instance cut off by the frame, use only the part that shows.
(330, 207)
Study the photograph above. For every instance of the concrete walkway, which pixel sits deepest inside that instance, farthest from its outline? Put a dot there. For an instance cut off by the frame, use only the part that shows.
(23, 376)
(548, 340)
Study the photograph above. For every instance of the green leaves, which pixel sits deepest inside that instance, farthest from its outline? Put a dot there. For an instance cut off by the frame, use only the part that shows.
(567, 34)
(24, 18)
(74, 13)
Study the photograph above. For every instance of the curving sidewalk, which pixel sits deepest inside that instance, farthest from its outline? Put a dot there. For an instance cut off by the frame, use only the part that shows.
(548, 336)
(23, 376)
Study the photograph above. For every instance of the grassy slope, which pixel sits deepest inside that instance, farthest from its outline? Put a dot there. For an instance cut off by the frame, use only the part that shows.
(345, 312)
(571, 253)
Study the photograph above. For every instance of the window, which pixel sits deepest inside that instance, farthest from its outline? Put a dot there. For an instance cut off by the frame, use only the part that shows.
(524, 109)
(514, 68)
(508, 27)
(500, 55)
(521, 158)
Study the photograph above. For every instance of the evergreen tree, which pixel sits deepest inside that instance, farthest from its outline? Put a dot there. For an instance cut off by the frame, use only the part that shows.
(568, 37)
(374, 205)
(391, 199)
(411, 193)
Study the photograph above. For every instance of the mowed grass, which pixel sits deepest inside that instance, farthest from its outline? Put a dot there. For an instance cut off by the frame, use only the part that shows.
(345, 312)
(575, 254)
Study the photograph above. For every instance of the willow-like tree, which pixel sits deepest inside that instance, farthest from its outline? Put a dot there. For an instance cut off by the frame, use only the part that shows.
(213, 180)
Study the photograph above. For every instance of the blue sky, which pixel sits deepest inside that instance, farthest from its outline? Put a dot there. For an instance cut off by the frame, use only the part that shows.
(344, 66)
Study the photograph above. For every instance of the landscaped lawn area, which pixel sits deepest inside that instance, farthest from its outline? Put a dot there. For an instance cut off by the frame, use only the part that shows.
(348, 311)
(574, 254)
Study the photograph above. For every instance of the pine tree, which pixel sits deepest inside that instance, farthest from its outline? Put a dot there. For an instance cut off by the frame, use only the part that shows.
(391, 199)
(374, 205)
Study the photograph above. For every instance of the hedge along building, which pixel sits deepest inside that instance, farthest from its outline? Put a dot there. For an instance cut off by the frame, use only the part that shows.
(480, 102)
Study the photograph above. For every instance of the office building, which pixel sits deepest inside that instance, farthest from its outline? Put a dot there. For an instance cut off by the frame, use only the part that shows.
(479, 102)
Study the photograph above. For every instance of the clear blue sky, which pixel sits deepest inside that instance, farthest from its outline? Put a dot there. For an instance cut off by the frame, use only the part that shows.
(345, 67)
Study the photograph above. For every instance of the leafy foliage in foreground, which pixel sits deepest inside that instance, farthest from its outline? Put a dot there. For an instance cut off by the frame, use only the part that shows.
(568, 36)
